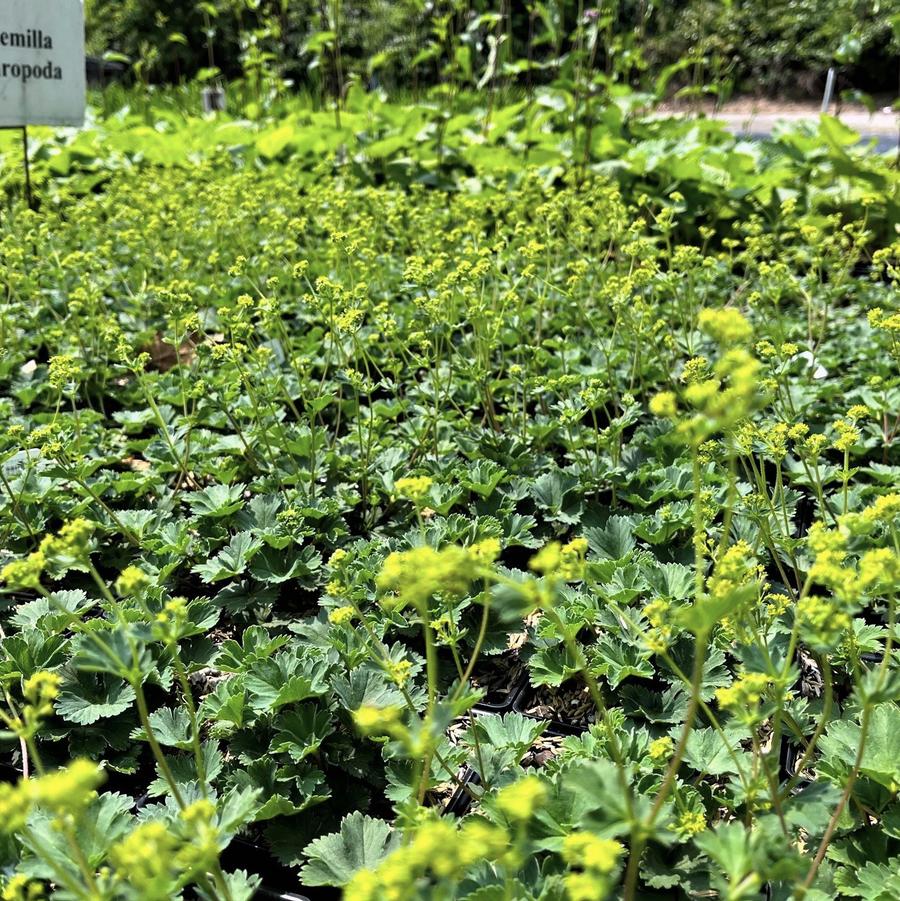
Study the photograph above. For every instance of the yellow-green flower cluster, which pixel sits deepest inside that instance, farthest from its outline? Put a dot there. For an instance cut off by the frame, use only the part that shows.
(879, 570)
(735, 567)
(132, 581)
(40, 691)
(822, 623)
(726, 326)
(695, 370)
(594, 861)
(414, 488)
(20, 888)
(736, 582)
(485, 552)
(776, 605)
(24, 573)
(63, 793)
(884, 512)
(338, 558)
(349, 319)
(563, 560)
(521, 800)
(664, 404)
(438, 850)
(145, 859)
(727, 396)
(372, 720)
(168, 622)
(399, 671)
(848, 435)
(745, 693)
(690, 823)
(63, 370)
(70, 546)
(73, 539)
(659, 613)
(201, 846)
(416, 576)
(154, 856)
(829, 547)
(888, 322)
(661, 749)
(340, 616)
(775, 440)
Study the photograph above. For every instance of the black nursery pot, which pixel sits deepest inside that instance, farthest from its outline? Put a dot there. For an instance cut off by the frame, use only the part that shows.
(460, 801)
(862, 270)
(502, 687)
(556, 726)
(9, 773)
(788, 757)
(791, 751)
(263, 892)
(279, 883)
(504, 703)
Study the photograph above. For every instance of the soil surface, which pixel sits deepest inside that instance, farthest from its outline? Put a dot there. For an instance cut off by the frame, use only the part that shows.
(569, 703)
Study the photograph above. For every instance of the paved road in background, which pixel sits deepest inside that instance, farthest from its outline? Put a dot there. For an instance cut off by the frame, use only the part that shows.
(883, 143)
(759, 120)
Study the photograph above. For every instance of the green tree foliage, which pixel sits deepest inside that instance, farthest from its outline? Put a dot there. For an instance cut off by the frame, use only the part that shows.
(775, 45)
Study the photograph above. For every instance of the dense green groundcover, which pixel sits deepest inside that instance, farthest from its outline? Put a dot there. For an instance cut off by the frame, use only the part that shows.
(298, 468)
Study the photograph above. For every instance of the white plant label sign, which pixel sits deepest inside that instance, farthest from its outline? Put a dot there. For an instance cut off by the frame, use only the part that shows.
(42, 78)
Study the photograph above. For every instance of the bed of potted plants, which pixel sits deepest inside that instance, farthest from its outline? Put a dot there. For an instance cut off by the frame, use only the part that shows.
(524, 544)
